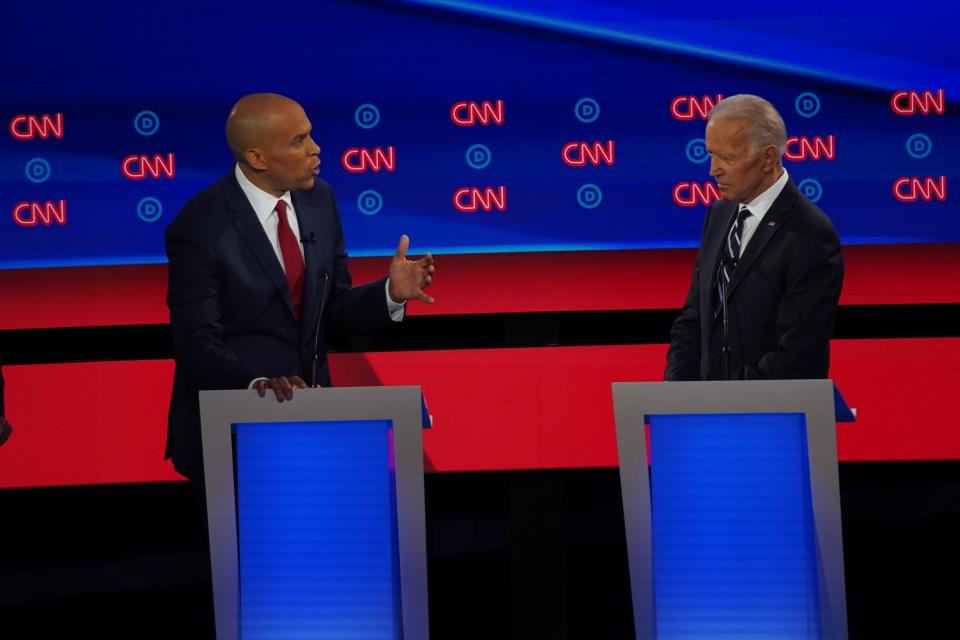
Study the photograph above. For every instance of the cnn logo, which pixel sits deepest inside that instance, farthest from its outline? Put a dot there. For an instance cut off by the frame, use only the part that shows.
(31, 214)
(579, 154)
(908, 103)
(692, 107)
(473, 199)
(29, 126)
(140, 166)
(467, 113)
(690, 194)
(801, 148)
(361, 160)
(914, 189)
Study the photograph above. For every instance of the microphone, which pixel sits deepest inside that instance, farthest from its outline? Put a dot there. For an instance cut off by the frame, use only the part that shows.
(730, 262)
(310, 239)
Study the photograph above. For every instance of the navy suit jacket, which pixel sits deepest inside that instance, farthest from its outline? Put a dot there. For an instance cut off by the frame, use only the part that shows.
(781, 300)
(230, 307)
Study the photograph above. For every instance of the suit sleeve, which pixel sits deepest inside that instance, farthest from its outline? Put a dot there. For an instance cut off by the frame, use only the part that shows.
(193, 296)
(353, 310)
(807, 310)
(683, 356)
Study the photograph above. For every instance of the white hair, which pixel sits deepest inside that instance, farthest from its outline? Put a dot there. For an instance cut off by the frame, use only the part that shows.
(764, 124)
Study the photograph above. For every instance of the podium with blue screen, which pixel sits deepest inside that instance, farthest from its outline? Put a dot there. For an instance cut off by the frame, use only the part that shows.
(316, 513)
(736, 531)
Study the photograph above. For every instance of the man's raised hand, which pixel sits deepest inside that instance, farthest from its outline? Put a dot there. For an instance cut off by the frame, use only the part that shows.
(408, 278)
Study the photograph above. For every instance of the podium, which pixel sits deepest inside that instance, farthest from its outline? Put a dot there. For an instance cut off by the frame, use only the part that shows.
(316, 513)
(736, 530)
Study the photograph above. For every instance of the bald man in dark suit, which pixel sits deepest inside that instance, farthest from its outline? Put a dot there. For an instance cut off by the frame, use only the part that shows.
(258, 274)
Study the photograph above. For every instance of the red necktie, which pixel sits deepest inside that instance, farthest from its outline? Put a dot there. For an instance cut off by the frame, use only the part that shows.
(292, 259)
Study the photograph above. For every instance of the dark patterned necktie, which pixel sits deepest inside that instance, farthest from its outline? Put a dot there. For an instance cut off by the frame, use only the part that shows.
(730, 256)
(292, 259)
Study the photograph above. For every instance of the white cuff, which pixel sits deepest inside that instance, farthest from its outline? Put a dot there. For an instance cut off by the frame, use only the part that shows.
(396, 309)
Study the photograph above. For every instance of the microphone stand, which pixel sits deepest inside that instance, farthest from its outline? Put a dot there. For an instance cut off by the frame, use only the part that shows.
(725, 336)
(316, 333)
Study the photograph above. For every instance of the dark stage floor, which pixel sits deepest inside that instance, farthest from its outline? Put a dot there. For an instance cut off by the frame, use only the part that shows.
(535, 554)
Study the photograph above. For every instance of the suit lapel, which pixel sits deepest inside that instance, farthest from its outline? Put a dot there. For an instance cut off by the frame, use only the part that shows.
(308, 220)
(770, 226)
(250, 229)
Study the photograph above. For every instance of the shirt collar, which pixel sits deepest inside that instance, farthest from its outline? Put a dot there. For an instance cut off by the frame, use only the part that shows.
(263, 203)
(762, 203)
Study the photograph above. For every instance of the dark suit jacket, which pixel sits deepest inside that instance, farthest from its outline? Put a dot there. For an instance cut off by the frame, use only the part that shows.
(781, 303)
(230, 307)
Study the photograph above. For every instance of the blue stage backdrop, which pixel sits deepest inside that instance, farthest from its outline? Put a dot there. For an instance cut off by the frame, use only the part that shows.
(471, 126)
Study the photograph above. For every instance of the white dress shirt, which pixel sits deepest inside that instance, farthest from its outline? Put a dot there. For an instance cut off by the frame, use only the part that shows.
(759, 207)
(265, 206)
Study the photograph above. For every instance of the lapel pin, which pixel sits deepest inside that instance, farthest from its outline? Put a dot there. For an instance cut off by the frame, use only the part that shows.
(771, 224)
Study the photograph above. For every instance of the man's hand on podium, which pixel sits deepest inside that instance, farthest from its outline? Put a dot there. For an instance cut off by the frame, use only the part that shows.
(283, 386)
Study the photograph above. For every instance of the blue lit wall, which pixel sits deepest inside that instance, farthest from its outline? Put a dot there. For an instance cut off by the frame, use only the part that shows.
(733, 538)
(317, 532)
(180, 66)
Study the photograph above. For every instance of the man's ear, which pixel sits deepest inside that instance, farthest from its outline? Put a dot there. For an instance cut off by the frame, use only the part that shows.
(255, 158)
(770, 157)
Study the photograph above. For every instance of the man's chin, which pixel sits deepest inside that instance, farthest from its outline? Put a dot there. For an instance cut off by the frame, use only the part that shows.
(727, 194)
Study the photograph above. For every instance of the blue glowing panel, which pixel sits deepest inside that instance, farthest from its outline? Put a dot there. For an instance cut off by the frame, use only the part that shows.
(317, 530)
(474, 126)
(733, 535)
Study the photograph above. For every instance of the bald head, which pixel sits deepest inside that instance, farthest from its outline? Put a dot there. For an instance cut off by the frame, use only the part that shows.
(269, 135)
(254, 121)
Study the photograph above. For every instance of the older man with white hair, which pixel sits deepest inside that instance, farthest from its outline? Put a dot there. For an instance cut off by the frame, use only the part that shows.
(767, 278)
